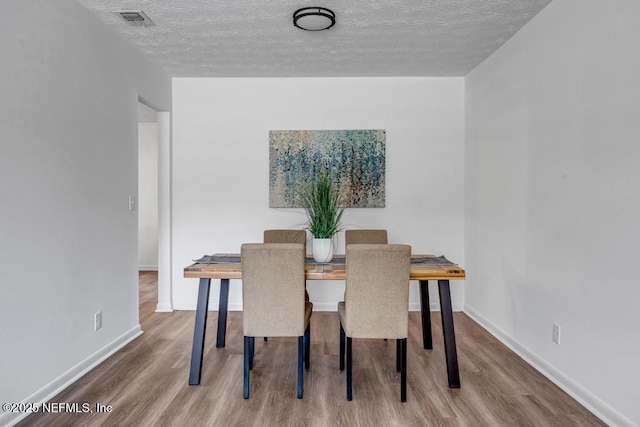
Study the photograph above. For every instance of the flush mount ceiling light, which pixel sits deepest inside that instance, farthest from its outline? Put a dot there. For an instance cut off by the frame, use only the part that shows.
(136, 18)
(314, 18)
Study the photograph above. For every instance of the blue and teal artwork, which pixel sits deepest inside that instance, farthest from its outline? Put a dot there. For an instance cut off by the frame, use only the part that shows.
(355, 158)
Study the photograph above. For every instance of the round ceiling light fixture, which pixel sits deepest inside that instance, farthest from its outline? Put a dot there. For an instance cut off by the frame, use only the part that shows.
(314, 18)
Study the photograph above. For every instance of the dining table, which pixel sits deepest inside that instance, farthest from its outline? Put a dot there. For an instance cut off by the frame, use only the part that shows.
(228, 266)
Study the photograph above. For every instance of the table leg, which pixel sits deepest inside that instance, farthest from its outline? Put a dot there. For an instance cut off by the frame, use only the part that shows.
(449, 334)
(199, 330)
(222, 312)
(425, 308)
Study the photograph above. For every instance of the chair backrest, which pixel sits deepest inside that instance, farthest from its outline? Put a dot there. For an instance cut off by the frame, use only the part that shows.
(364, 237)
(273, 287)
(285, 236)
(377, 291)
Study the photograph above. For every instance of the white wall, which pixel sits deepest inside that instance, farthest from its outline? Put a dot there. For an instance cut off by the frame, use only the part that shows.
(165, 302)
(552, 201)
(221, 166)
(148, 196)
(68, 243)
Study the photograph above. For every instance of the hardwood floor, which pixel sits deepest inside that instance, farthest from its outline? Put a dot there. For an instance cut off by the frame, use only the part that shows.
(146, 382)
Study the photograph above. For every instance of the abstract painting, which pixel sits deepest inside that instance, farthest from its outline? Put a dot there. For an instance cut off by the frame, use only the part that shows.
(354, 158)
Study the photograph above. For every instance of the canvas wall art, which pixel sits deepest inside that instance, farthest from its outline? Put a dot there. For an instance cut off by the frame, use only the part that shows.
(355, 158)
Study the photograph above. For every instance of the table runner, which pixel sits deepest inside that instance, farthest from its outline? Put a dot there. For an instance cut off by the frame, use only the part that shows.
(235, 259)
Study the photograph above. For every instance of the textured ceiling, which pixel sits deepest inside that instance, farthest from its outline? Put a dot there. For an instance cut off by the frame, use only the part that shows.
(256, 38)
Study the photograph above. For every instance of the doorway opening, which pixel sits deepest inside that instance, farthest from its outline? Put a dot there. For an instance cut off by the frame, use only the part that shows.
(148, 134)
(154, 199)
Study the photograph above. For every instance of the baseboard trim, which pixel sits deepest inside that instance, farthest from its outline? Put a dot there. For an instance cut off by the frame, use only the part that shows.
(148, 268)
(587, 399)
(164, 308)
(317, 306)
(325, 306)
(50, 390)
(333, 306)
(212, 307)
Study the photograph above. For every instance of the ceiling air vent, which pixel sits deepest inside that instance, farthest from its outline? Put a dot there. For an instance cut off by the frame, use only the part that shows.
(136, 18)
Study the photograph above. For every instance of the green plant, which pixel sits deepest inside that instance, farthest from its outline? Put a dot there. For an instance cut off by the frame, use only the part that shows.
(320, 199)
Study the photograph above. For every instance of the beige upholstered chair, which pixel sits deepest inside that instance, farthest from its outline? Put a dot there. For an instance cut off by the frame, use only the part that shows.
(285, 236)
(273, 300)
(376, 302)
(364, 236)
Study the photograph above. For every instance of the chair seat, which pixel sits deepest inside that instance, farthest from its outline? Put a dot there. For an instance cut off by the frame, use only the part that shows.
(342, 317)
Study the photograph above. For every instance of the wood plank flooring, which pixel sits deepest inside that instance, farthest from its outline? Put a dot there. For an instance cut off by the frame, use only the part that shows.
(146, 382)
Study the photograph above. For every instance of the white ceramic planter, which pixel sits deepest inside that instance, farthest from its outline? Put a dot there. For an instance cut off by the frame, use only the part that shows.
(323, 250)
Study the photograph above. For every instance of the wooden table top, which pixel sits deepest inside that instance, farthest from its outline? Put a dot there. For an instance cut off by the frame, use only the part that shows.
(332, 271)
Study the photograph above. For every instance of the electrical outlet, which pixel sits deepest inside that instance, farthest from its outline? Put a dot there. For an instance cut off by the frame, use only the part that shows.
(555, 335)
(132, 203)
(97, 320)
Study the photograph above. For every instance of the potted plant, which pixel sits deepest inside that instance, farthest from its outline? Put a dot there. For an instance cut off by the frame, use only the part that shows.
(320, 199)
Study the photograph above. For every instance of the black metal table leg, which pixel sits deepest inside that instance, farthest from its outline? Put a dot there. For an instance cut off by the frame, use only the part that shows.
(199, 330)
(222, 312)
(425, 308)
(449, 334)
